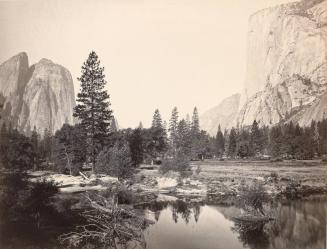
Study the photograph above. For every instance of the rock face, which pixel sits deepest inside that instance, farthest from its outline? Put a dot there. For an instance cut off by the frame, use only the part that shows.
(286, 77)
(223, 114)
(41, 95)
(287, 61)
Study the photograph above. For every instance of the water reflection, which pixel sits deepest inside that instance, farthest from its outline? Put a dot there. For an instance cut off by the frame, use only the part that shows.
(300, 225)
(180, 224)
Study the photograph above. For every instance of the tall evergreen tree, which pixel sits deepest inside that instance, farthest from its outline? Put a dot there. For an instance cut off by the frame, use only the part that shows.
(183, 138)
(157, 120)
(255, 139)
(195, 122)
(220, 143)
(173, 123)
(159, 135)
(93, 109)
(136, 147)
(232, 144)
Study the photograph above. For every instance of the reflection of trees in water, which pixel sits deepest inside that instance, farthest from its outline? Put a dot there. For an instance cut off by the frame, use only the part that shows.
(179, 208)
(196, 212)
(299, 224)
(156, 207)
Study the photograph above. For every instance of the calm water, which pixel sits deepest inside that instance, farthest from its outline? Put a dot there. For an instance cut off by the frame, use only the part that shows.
(185, 226)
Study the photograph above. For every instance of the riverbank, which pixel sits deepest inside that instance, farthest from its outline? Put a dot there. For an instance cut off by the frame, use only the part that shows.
(219, 181)
(212, 181)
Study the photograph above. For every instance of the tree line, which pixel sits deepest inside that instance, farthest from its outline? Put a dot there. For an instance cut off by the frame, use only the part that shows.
(95, 143)
(285, 140)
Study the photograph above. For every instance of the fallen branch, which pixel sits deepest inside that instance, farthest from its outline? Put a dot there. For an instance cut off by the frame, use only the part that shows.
(108, 226)
(84, 176)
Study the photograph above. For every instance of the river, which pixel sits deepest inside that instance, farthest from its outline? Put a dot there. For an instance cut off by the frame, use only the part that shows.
(187, 225)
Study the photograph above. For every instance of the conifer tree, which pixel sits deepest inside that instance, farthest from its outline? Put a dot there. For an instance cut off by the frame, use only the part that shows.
(232, 143)
(93, 109)
(157, 121)
(255, 139)
(195, 134)
(159, 135)
(140, 125)
(136, 147)
(195, 122)
(183, 138)
(220, 142)
(173, 123)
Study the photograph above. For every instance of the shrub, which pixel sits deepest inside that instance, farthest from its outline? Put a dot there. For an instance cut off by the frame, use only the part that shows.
(274, 176)
(115, 161)
(180, 163)
(253, 197)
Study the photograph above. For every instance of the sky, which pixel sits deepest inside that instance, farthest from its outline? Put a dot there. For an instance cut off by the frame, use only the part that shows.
(156, 53)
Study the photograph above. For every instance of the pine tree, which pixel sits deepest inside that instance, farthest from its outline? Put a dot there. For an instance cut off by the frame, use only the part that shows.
(220, 143)
(255, 139)
(183, 137)
(276, 141)
(159, 135)
(195, 134)
(157, 121)
(136, 147)
(140, 125)
(232, 143)
(93, 109)
(173, 123)
(195, 122)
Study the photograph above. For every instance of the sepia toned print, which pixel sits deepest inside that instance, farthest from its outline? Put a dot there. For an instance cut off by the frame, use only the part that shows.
(163, 124)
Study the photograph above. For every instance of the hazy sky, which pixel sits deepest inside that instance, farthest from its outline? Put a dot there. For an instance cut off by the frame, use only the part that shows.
(156, 53)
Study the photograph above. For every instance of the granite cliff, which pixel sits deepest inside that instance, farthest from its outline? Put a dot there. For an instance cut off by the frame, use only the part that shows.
(41, 95)
(286, 64)
(286, 78)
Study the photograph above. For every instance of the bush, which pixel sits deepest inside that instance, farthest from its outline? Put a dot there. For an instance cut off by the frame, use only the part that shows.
(180, 163)
(253, 197)
(274, 176)
(115, 161)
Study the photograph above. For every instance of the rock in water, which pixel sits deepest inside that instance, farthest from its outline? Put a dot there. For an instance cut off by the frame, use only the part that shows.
(287, 61)
(41, 95)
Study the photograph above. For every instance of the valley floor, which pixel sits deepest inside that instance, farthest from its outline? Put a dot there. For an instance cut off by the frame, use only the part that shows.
(219, 180)
(213, 181)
